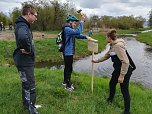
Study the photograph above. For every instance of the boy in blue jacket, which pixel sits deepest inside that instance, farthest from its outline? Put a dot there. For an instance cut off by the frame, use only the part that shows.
(69, 48)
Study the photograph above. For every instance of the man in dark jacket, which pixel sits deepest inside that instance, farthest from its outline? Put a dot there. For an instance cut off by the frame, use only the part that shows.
(24, 56)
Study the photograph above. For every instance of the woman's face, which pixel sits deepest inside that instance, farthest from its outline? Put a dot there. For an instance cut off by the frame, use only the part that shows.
(108, 39)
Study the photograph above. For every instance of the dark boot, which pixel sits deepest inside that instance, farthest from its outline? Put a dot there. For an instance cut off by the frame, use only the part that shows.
(32, 110)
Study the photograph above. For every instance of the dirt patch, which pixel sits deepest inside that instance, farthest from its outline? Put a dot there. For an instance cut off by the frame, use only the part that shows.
(43, 35)
(9, 35)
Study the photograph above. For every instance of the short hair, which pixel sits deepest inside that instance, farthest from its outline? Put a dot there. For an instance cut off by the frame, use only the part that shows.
(28, 8)
(112, 34)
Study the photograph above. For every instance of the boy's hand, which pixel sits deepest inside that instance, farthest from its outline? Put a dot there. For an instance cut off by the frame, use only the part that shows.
(83, 19)
(91, 39)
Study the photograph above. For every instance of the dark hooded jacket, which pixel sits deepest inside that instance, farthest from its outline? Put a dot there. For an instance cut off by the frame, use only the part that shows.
(24, 40)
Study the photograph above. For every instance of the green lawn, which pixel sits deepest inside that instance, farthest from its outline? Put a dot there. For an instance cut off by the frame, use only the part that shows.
(145, 38)
(46, 49)
(52, 95)
(56, 100)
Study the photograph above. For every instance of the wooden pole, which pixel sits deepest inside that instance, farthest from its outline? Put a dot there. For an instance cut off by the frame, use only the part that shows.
(92, 73)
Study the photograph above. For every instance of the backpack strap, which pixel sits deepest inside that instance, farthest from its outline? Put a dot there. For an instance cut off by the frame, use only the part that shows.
(132, 64)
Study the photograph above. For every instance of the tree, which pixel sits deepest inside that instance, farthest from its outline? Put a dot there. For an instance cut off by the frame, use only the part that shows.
(140, 22)
(150, 19)
(15, 13)
(4, 18)
(51, 14)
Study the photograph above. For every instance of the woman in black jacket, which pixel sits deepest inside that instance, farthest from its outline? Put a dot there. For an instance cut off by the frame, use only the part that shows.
(123, 67)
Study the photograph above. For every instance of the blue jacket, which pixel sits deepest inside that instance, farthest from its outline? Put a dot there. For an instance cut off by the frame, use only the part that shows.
(24, 40)
(70, 34)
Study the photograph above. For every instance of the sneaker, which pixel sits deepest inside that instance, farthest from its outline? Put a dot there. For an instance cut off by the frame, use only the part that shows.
(71, 88)
(32, 110)
(64, 83)
(38, 106)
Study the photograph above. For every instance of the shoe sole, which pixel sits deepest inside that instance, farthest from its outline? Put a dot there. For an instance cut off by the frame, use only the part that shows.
(71, 90)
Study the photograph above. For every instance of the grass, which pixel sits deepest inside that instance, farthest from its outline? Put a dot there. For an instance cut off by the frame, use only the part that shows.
(145, 38)
(53, 97)
(56, 100)
(52, 32)
(46, 49)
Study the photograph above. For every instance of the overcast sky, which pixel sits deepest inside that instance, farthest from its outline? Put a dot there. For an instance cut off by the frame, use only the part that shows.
(98, 7)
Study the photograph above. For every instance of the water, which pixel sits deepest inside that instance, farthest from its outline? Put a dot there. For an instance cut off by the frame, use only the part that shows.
(140, 53)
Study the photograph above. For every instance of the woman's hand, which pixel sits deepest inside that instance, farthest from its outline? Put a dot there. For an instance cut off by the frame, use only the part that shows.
(120, 79)
(95, 61)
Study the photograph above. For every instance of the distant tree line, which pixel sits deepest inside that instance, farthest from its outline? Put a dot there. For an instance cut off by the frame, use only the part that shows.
(121, 22)
(52, 14)
(150, 19)
(5, 19)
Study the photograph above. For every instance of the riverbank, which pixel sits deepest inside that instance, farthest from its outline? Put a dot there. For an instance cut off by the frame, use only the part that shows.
(145, 38)
(132, 31)
(47, 50)
(56, 100)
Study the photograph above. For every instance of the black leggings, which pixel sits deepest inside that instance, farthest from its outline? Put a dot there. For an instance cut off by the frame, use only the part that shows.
(124, 87)
(68, 61)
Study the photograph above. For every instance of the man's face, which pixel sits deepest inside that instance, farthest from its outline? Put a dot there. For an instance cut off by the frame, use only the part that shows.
(32, 17)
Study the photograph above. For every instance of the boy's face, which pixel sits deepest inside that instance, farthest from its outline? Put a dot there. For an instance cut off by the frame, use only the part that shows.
(74, 24)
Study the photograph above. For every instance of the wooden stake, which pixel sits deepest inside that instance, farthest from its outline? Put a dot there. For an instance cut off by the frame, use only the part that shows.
(92, 73)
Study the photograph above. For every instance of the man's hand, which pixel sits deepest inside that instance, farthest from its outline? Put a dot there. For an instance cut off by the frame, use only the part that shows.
(23, 51)
(120, 79)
